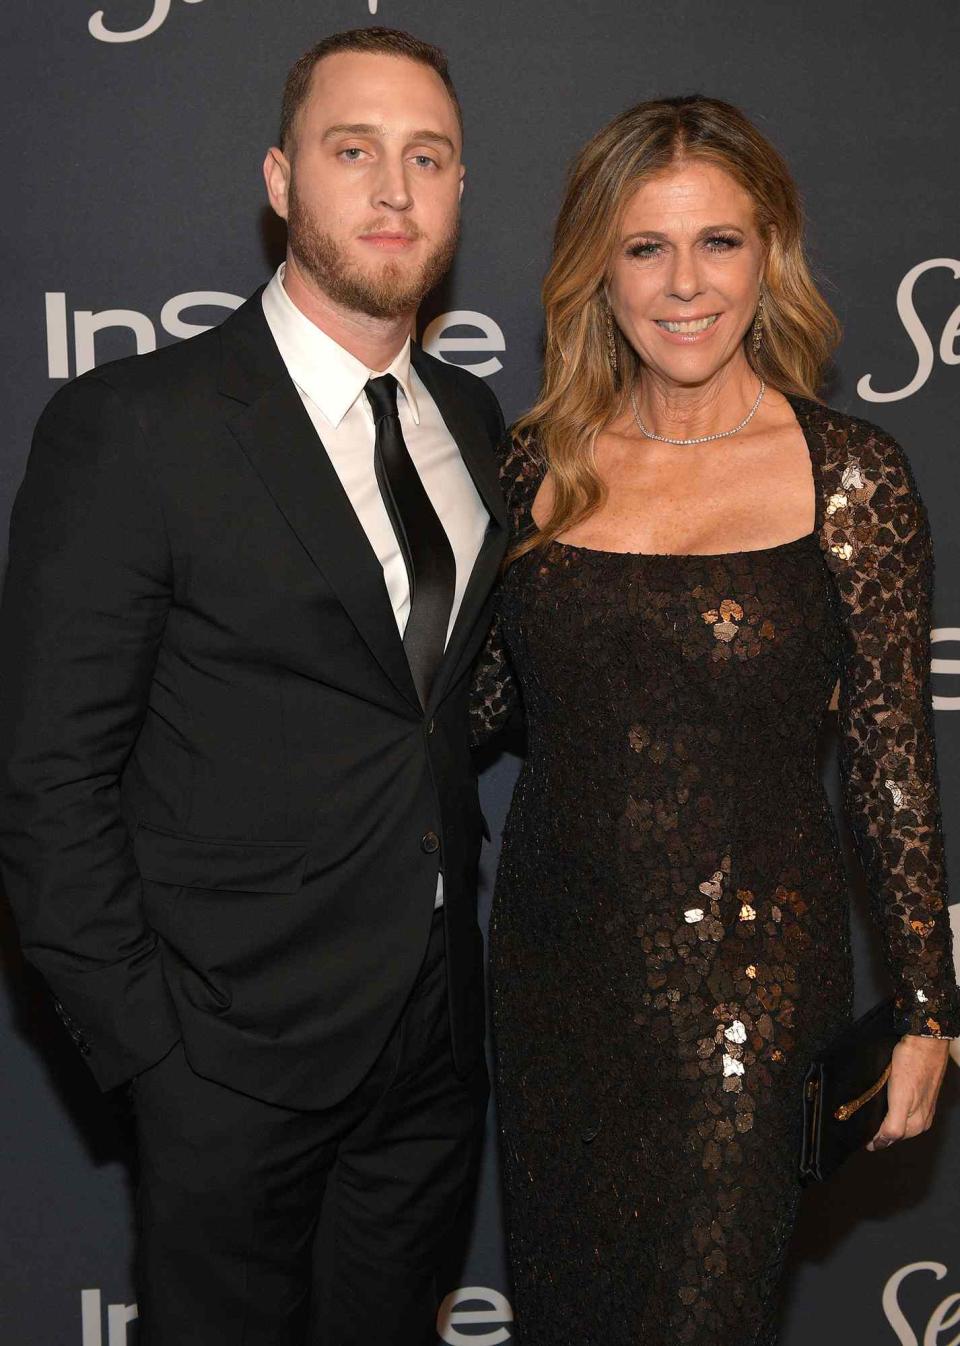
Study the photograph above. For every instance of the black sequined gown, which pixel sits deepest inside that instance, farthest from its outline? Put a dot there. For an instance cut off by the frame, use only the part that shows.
(669, 941)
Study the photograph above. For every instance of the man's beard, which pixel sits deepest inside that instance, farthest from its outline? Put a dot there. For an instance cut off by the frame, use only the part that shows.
(391, 292)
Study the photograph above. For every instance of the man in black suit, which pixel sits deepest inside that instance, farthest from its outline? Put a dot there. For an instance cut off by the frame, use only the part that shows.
(248, 577)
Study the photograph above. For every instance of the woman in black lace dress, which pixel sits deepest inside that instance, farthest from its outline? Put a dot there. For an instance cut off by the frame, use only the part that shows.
(701, 552)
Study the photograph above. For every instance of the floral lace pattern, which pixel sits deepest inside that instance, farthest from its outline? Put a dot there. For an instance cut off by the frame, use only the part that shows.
(670, 933)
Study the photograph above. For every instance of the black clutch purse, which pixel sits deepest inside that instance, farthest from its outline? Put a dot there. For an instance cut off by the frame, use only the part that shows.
(845, 1093)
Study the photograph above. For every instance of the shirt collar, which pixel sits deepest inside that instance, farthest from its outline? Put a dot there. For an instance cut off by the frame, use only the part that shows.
(328, 374)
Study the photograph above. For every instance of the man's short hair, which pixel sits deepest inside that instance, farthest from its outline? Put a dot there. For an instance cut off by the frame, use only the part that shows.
(382, 41)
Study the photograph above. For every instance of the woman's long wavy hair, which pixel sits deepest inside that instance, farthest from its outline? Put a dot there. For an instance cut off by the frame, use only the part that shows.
(581, 393)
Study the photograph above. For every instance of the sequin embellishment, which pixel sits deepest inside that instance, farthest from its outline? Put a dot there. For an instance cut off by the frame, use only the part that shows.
(713, 886)
(852, 478)
(724, 619)
(747, 912)
(668, 940)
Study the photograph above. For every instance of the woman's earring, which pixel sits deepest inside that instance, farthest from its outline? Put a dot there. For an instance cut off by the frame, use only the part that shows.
(612, 345)
(758, 325)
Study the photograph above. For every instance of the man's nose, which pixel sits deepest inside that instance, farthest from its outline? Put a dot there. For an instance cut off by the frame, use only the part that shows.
(392, 189)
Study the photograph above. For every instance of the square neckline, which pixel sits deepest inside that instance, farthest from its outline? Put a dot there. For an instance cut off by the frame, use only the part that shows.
(795, 403)
(689, 555)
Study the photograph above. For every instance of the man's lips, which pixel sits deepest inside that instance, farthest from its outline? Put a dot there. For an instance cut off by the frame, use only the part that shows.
(389, 240)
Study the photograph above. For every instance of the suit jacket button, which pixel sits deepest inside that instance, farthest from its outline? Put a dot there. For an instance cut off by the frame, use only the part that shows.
(431, 726)
(429, 843)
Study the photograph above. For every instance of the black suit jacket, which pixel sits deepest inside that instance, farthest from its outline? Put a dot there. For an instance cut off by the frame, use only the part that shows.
(222, 799)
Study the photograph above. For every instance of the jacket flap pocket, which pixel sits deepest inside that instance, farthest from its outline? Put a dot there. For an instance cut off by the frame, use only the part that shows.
(194, 862)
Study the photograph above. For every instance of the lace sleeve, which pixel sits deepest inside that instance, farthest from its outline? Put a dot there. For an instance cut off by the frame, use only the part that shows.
(494, 694)
(877, 543)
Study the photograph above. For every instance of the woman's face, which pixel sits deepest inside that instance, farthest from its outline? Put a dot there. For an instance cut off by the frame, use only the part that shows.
(686, 272)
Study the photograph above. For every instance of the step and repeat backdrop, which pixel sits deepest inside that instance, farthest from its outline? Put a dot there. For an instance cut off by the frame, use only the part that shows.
(134, 136)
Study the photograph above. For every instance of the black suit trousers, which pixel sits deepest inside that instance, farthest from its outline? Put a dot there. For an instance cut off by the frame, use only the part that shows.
(261, 1225)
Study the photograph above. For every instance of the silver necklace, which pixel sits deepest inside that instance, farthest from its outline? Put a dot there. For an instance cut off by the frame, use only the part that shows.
(698, 439)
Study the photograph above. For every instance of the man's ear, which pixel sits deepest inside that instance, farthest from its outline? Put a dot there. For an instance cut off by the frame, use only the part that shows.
(276, 176)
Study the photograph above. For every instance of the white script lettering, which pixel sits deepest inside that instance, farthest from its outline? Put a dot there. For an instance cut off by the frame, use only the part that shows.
(945, 1315)
(918, 334)
(161, 11)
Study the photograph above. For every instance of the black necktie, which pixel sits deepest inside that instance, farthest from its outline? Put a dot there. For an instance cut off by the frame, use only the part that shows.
(426, 550)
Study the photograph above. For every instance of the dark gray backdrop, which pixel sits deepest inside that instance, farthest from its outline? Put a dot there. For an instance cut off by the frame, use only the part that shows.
(133, 141)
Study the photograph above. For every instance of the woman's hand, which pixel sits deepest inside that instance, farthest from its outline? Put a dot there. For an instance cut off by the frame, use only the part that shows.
(916, 1074)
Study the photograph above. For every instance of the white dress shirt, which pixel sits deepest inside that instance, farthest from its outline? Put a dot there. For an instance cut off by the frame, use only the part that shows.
(331, 382)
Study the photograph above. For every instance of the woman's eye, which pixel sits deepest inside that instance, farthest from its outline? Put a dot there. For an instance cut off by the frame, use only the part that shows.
(642, 249)
(722, 242)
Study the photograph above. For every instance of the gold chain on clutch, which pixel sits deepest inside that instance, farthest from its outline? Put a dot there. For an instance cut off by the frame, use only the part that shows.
(846, 1110)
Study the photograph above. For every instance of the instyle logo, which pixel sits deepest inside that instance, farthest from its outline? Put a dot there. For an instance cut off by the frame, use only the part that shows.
(944, 1316)
(91, 1319)
(942, 668)
(481, 334)
(945, 667)
(473, 1306)
(71, 337)
(86, 324)
(923, 347)
(97, 24)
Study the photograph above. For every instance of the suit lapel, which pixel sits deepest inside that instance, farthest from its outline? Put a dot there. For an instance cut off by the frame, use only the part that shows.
(278, 437)
(460, 646)
(275, 432)
(465, 423)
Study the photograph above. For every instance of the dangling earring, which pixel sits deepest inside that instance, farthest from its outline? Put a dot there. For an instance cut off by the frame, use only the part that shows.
(758, 325)
(612, 344)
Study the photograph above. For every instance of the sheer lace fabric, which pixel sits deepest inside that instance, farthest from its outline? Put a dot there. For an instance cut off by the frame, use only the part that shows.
(670, 934)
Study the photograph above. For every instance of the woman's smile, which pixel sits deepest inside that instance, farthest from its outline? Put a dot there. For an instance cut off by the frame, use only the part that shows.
(685, 331)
